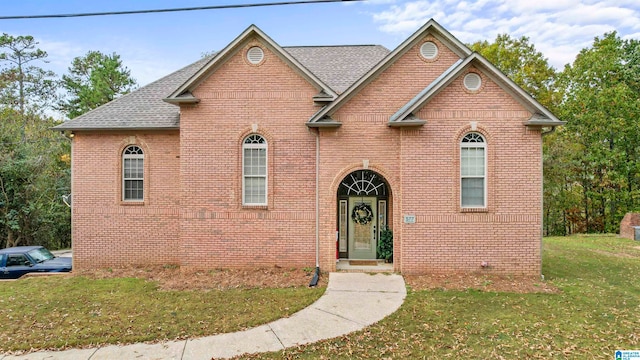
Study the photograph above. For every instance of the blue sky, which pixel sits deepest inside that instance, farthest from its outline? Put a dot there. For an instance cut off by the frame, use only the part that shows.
(153, 45)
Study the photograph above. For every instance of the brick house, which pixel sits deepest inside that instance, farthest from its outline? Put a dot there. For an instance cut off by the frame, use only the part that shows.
(264, 155)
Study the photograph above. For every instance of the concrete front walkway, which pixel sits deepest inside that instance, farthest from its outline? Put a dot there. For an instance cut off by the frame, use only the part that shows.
(351, 302)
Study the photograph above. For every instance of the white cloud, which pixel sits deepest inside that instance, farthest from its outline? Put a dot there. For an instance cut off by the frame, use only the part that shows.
(529, 6)
(632, 36)
(408, 16)
(558, 28)
(60, 54)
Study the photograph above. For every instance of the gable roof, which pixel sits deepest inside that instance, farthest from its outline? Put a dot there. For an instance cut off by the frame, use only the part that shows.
(334, 70)
(339, 66)
(182, 93)
(144, 108)
(541, 116)
(140, 109)
(431, 27)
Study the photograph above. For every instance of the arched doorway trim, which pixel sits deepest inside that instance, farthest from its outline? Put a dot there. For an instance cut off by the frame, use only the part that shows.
(362, 213)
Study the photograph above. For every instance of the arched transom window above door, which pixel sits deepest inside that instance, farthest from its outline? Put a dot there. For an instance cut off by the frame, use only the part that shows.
(361, 183)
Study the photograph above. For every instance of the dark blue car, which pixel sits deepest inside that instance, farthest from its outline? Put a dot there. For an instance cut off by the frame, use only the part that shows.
(17, 261)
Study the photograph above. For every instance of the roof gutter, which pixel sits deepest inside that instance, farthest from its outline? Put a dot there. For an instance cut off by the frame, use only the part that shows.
(324, 124)
(407, 123)
(178, 101)
(114, 129)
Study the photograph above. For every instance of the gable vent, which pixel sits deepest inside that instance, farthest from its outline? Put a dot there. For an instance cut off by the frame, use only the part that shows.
(255, 55)
(472, 81)
(429, 50)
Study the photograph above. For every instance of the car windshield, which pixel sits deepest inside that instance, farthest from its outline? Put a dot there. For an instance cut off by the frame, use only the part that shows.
(40, 255)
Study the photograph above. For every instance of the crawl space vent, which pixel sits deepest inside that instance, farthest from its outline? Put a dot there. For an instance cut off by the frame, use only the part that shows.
(472, 81)
(255, 55)
(429, 50)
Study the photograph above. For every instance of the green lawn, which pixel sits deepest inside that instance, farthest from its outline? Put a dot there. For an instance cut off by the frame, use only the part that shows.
(60, 312)
(596, 312)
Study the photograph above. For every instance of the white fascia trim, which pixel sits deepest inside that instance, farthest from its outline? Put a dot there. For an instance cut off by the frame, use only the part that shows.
(232, 48)
(438, 84)
(438, 31)
(495, 75)
(511, 87)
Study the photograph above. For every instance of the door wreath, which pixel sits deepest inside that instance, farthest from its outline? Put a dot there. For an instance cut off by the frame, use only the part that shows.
(362, 214)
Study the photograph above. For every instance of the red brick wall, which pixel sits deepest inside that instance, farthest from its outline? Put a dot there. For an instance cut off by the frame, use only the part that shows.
(422, 166)
(109, 232)
(365, 135)
(446, 237)
(216, 229)
(627, 224)
(195, 217)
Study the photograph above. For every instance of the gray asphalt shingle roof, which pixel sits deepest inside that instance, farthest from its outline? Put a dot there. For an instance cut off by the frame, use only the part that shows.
(337, 66)
(140, 109)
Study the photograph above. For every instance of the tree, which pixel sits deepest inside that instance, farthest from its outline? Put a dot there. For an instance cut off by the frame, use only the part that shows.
(93, 80)
(34, 161)
(527, 67)
(33, 176)
(522, 63)
(24, 87)
(602, 106)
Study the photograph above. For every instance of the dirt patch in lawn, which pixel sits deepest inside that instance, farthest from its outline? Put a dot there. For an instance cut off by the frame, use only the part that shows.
(480, 282)
(176, 278)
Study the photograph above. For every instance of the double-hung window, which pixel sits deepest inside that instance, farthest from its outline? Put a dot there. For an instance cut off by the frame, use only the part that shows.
(254, 171)
(473, 171)
(133, 174)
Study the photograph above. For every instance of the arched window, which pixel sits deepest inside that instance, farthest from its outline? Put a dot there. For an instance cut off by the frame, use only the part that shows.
(473, 173)
(133, 174)
(254, 170)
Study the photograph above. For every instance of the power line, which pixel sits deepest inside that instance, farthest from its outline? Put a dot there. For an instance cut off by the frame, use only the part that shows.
(214, 7)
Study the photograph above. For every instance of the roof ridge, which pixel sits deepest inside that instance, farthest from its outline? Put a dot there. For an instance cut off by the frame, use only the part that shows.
(344, 45)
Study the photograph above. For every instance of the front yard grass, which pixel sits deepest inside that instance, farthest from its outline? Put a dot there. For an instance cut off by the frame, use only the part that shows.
(596, 312)
(62, 312)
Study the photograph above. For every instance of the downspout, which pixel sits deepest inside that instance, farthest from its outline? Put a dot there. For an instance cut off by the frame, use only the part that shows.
(316, 276)
(72, 165)
(70, 203)
(543, 133)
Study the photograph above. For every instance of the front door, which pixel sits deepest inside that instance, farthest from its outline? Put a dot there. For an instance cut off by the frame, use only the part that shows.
(362, 227)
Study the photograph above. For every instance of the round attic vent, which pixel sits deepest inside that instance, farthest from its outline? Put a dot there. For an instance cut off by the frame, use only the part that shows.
(255, 55)
(429, 50)
(472, 81)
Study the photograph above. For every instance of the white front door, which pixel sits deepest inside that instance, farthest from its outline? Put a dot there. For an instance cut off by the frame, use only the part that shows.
(362, 229)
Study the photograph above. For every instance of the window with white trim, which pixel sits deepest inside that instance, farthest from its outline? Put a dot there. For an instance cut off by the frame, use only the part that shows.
(473, 165)
(254, 170)
(133, 174)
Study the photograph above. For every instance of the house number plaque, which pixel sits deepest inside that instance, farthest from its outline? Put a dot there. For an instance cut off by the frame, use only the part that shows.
(409, 219)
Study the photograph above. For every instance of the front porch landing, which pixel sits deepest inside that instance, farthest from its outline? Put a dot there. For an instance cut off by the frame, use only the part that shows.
(343, 265)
